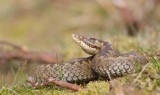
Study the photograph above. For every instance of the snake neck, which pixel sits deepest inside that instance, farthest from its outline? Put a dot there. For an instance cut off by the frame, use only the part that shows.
(107, 50)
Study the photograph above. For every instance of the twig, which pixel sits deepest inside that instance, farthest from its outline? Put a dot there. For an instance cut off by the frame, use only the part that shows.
(64, 84)
(139, 75)
(117, 87)
(109, 76)
(29, 56)
(132, 23)
(22, 49)
(22, 53)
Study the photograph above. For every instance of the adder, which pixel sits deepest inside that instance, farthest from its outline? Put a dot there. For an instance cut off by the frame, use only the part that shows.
(104, 62)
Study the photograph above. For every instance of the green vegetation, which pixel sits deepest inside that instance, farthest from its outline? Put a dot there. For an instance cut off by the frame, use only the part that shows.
(48, 25)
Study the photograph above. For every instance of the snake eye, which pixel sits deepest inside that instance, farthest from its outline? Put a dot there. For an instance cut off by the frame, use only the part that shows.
(89, 45)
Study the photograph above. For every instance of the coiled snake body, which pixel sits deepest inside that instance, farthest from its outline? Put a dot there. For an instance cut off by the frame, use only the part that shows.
(105, 61)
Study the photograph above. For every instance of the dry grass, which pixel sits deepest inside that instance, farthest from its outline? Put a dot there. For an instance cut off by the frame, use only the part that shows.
(50, 24)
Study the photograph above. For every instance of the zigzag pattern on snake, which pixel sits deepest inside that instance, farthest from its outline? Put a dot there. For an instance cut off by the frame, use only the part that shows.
(104, 61)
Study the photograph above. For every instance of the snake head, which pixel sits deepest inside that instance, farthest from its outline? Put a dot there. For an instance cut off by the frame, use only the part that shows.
(89, 45)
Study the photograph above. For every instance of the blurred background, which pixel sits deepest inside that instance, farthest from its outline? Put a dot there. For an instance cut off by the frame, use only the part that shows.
(47, 25)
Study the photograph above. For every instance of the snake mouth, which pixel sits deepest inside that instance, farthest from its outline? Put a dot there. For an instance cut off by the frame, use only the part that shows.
(77, 38)
(87, 44)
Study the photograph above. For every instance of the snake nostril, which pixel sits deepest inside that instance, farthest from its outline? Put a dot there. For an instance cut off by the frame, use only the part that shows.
(105, 60)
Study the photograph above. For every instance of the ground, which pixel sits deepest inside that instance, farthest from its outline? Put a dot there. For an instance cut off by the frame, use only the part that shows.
(50, 24)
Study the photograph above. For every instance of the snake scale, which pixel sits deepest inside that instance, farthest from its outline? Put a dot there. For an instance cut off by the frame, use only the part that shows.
(104, 61)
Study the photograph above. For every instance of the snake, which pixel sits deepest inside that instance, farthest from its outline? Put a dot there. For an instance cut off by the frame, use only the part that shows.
(104, 61)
